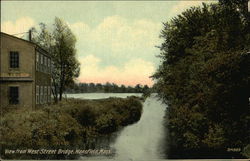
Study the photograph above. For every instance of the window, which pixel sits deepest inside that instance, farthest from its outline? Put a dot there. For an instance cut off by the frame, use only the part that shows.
(37, 61)
(49, 94)
(52, 67)
(41, 94)
(44, 60)
(52, 90)
(45, 94)
(40, 62)
(13, 95)
(41, 68)
(44, 64)
(41, 56)
(14, 59)
(48, 65)
(37, 94)
(37, 57)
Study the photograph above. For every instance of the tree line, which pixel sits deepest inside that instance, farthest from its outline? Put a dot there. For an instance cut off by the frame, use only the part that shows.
(106, 88)
(204, 79)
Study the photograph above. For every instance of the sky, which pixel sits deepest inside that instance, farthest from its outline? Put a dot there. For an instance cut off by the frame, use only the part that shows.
(116, 40)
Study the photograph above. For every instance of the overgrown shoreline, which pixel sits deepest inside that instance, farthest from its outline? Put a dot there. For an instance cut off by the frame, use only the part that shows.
(70, 124)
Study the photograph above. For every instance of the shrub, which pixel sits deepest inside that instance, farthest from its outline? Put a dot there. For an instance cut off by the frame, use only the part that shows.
(71, 123)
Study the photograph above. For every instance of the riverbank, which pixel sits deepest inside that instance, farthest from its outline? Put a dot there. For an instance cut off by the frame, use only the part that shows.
(70, 124)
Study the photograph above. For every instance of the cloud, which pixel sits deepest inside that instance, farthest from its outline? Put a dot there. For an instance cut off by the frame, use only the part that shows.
(119, 35)
(21, 25)
(122, 51)
(135, 71)
(183, 5)
(80, 28)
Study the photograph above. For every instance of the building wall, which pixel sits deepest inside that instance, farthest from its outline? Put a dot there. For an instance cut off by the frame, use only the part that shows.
(26, 57)
(43, 78)
(25, 94)
(24, 76)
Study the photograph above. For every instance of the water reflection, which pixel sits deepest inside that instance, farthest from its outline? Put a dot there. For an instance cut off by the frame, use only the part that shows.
(143, 140)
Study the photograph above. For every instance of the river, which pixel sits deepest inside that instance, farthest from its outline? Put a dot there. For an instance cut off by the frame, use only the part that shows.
(138, 141)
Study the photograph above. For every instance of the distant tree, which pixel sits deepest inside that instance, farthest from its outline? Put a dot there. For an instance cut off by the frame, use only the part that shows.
(107, 87)
(99, 87)
(130, 89)
(92, 87)
(115, 87)
(138, 88)
(145, 88)
(123, 89)
(86, 87)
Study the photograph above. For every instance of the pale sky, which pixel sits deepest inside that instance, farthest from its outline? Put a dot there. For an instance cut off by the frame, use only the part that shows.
(115, 40)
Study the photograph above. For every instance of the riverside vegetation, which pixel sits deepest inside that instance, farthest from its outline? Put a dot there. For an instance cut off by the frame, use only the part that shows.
(204, 79)
(106, 88)
(70, 124)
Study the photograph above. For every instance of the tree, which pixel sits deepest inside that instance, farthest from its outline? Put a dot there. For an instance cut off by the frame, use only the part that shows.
(99, 87)
(60, 43)
(204, 77)
(123, 88)
(108, 87)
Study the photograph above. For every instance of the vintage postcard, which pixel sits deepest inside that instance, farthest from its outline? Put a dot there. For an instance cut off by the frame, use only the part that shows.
(125, 80)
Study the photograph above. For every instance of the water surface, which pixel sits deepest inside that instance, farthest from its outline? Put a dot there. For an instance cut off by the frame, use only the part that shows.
(101, 95)
(145, 139)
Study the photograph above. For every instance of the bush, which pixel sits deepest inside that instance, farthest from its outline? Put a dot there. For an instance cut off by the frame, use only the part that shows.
(71, 123)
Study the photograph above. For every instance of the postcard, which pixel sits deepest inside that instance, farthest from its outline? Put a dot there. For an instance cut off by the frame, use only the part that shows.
(125, 80)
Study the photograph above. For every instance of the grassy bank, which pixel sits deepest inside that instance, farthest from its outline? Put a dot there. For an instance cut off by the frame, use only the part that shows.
(71, 124)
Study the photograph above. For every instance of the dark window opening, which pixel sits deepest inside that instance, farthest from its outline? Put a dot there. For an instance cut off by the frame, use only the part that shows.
(13, 95)
(14, 59)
